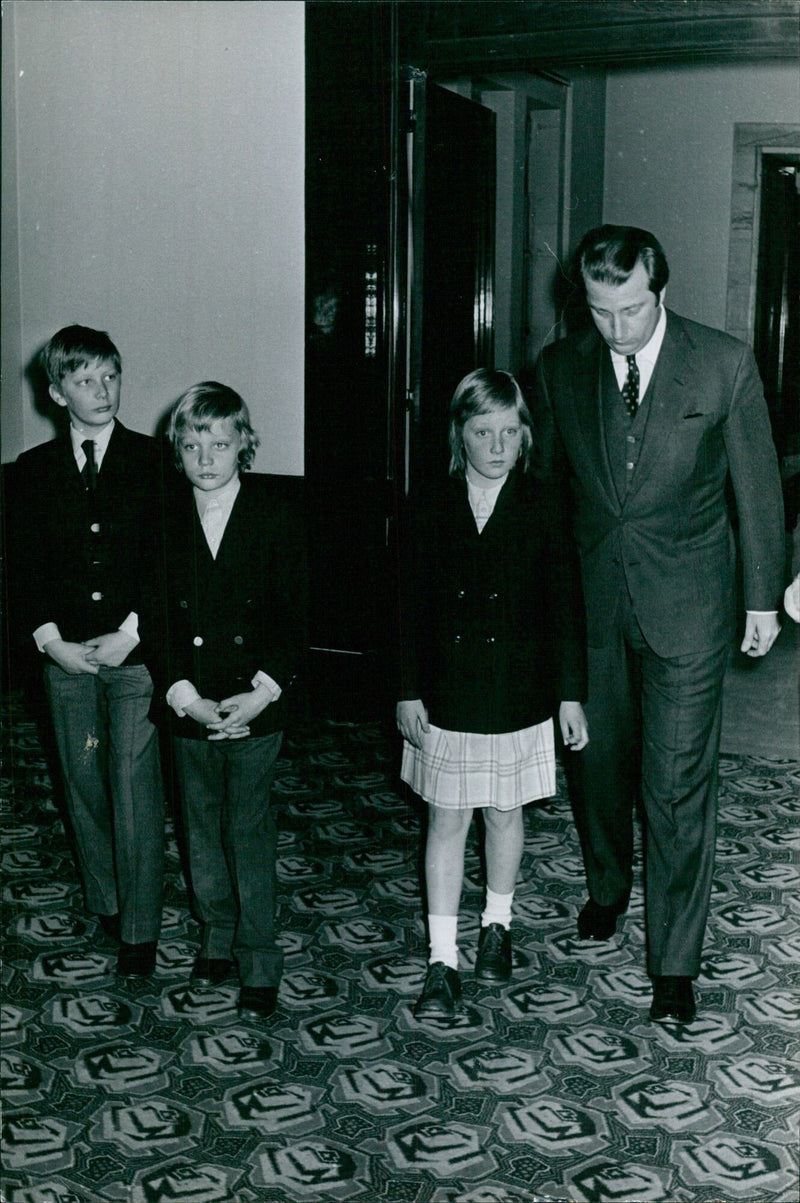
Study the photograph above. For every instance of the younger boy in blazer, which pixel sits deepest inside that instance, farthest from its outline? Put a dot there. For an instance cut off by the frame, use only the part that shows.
(234, 592)
(83, 563)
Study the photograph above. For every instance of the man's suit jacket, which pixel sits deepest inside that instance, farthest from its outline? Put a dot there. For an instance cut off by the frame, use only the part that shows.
(84, 572)
(492, 624)
(670, 534)
(229, 617)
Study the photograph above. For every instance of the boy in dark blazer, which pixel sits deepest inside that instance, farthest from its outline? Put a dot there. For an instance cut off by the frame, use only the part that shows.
(234, 628)
(82, 521)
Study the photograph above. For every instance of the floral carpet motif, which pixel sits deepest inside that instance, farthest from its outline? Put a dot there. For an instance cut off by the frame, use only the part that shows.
(556, 1087)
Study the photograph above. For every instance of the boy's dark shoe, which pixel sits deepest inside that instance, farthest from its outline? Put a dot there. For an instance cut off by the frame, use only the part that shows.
(493, 962)
(136, 960)
(596, 922)
(441, 994)
(673, 998)
(111, 925)
(210, 971)
(257, 1003)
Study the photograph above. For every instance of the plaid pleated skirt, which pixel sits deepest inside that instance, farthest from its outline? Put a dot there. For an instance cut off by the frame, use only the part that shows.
(461, 770)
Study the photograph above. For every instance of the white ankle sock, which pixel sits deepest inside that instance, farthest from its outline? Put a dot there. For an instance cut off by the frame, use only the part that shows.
(498, 908)
(443, 939)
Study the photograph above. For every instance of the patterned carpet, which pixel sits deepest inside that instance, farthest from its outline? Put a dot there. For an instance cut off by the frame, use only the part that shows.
(554, 1088)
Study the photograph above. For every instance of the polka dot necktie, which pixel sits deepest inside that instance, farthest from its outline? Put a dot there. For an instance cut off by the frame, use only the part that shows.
(630, 389)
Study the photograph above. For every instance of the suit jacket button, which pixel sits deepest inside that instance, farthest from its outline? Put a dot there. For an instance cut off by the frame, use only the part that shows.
(97, 596)
(95, 528)
(492, 597)
(198, 641)
(490, 638)
(184, 605)
(456, 639)
(461, 593)
(238, 639)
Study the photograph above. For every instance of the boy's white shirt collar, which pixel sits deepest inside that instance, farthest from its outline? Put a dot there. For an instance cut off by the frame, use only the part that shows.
(225, 497)
(100, 438)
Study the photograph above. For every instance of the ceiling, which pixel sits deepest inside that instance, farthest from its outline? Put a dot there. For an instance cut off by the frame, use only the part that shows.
(547, 34)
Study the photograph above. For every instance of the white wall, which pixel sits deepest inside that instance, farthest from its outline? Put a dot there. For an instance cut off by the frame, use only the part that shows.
(158, 191)
(668, 159)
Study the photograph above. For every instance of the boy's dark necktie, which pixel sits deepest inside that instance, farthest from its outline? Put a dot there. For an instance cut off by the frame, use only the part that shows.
(89, 469)
(630, 389)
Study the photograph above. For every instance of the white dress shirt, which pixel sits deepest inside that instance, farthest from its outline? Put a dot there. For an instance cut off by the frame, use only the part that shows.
(645, 359)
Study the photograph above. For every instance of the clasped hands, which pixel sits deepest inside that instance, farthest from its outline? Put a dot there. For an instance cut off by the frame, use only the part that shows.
(230, 718)
(110, 650)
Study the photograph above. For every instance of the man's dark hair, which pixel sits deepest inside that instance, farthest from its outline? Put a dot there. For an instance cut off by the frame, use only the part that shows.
(608, 255)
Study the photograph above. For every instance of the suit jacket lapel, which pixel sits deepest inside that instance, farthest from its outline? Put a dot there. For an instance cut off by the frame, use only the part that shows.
(67, 466)
(587, 404)
(237, 527)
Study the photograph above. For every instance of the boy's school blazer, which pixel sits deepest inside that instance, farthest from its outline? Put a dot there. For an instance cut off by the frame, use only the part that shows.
(228, 618)
(58, 563)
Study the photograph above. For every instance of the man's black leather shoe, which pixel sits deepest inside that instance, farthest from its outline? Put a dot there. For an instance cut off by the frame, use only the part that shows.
(136, 960)
(596, 922)
(257, 1003)
(112, 926)
(441, 994)
(493, 962)
(673, 999)
(210, 971)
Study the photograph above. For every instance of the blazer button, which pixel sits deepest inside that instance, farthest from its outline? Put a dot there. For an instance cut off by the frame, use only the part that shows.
(184, 605)
(198, 641)
(492, 597)
(97, 596)
(490, 638)
(456, 639)
(461, 593)
(95, 528)
(238, 639)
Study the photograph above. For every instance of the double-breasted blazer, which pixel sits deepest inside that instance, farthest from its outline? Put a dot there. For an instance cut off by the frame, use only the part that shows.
(670, 534)
(492, 627)
(228, 618)
(85, 571)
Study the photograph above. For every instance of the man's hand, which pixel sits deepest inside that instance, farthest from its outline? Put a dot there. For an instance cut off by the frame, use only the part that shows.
(574, 727)
(72, 657)
(760, 632)
(412, 721)
(112, 649)
(238, 711)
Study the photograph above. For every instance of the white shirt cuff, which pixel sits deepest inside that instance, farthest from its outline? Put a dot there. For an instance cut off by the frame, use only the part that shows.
(45, 634)
(131, 626)
(180, 695)
(273, 686)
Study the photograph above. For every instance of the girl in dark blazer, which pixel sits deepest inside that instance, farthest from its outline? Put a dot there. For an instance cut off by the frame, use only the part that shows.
(489, 564)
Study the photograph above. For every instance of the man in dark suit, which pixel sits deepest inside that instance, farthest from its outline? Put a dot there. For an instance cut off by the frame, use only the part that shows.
(83, 561)
(646, 415)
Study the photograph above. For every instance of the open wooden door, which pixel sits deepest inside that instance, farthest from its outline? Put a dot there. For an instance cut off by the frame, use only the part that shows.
(447, 213)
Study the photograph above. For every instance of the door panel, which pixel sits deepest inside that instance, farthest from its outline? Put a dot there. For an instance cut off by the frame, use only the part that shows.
(452, 236)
